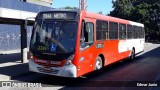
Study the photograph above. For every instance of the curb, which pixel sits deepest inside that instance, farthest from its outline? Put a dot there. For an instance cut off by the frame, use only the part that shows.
(4, 77)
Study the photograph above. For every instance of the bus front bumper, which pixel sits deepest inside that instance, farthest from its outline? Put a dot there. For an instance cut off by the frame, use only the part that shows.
(65, 71)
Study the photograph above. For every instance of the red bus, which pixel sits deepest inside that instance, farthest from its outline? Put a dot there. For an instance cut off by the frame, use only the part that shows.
(71, 43)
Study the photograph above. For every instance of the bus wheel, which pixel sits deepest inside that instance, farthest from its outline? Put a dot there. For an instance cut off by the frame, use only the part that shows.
(98, 64)
(132, 57)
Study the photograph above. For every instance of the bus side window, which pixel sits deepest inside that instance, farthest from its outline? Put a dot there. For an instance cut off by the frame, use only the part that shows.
(87, 34)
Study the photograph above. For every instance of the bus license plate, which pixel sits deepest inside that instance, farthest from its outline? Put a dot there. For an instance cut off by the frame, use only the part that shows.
(47, 68)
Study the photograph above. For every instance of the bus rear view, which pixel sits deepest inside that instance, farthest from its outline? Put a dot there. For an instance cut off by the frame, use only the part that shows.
(53, 42)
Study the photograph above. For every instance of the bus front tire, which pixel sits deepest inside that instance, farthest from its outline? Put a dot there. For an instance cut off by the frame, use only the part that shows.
(98, 63)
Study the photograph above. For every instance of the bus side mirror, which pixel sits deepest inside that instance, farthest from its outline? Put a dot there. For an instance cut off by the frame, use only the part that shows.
(82, 40)
(26, 21)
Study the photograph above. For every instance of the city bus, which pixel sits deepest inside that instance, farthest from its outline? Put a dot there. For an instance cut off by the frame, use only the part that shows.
(71, 43)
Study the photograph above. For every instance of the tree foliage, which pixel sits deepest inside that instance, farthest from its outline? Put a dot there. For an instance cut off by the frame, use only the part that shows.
(143, 11)
(100, 12)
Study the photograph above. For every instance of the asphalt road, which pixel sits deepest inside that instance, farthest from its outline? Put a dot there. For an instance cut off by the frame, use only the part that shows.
(124, 75)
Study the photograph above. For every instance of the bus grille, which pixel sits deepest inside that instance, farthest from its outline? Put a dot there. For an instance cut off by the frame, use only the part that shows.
(52, 71)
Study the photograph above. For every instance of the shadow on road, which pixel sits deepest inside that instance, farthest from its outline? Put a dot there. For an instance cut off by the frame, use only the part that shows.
(92, 79)
(11, 67)
(4, 58)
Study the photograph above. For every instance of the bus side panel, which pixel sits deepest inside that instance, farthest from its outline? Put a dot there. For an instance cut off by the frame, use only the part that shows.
(114, 50)
(138, 44)
(110, 51)
(123, 49)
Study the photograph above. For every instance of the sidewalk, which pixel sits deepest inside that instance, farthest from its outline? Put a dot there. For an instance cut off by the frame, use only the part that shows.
(11, 67)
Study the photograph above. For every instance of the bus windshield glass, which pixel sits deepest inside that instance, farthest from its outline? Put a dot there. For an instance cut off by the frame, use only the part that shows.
(54, 36)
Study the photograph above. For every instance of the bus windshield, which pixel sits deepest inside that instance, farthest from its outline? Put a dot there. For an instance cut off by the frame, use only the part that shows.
(54, 36)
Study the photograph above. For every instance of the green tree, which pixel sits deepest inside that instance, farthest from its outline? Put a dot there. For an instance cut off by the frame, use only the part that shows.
(122, 9)
(100, 12)
(143, 11)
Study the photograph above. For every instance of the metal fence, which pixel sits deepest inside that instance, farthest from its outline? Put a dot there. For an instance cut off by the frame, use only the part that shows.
(10, 37)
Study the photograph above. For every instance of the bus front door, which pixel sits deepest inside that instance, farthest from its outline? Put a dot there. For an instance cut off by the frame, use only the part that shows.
(86, 48)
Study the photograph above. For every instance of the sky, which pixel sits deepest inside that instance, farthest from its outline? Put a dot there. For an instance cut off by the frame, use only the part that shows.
(93, 5)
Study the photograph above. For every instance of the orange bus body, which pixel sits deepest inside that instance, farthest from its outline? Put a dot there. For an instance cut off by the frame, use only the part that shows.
(112, 50)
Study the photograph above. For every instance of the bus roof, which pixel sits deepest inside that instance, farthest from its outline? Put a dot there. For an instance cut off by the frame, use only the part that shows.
(113, 19)
(99, 16)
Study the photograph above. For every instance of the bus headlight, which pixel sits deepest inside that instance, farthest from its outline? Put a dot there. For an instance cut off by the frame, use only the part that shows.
(69, 60)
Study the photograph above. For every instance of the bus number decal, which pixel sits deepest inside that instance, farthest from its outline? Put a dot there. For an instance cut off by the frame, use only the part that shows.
(42, 48)
(60, 15)
(101, 45)
(47, 16)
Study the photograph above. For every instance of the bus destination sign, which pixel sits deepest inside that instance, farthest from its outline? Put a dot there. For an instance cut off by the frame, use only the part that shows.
(57, 15)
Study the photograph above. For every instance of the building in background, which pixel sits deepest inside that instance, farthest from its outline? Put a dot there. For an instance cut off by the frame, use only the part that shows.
(12, 15)
(47, 3)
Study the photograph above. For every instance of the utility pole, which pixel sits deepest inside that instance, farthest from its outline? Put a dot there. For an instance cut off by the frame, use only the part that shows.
(83, 4)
